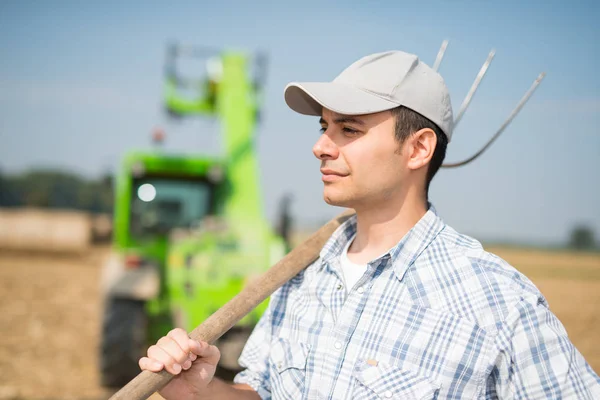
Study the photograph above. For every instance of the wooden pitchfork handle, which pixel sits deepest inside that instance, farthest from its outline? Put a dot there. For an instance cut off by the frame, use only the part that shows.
(146, 383)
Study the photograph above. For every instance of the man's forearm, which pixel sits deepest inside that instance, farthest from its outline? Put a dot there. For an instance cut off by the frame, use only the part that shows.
(218, 389)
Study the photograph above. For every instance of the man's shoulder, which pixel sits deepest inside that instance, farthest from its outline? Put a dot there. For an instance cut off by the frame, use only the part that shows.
(458, 275)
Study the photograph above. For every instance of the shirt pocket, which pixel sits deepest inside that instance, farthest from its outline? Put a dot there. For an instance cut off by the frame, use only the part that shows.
(382, 381)
(288, 368)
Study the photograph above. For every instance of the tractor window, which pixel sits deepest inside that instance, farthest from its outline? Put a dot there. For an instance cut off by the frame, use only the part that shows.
(161, 204)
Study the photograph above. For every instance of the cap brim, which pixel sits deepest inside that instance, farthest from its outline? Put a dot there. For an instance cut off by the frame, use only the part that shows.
(309, 98)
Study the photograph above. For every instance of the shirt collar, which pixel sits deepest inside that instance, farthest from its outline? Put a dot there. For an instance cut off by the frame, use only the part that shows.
(403, 254)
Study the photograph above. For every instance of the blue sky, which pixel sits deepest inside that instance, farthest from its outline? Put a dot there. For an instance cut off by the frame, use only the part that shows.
(81, 83)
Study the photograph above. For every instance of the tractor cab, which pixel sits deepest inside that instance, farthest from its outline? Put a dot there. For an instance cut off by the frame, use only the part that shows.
(157, 193)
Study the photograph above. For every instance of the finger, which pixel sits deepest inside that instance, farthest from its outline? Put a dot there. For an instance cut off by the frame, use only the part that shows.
(172, 348)
(157, 353)
(146, 363)
(187, 365)
(181, 338)
(196, 347)
(209, 353)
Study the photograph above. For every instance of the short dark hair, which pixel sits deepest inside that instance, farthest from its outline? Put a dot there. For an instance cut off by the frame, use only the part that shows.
(409, 122)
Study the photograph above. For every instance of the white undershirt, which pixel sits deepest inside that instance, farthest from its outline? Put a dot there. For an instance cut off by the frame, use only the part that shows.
(352, 272)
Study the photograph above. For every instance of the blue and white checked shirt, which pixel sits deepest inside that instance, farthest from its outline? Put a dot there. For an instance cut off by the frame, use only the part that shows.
(436, 317)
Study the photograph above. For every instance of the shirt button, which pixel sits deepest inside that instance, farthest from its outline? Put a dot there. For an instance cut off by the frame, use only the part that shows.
(360, 290)
(388, 394)
(340, 287)
(337, 345)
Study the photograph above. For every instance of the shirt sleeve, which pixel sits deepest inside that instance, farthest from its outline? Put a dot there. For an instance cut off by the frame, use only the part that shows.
(537, 360)
(255, 355)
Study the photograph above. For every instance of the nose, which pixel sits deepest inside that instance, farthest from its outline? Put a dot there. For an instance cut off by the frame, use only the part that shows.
(325, 148)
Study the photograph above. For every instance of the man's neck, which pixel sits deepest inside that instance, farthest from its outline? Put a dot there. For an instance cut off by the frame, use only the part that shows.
(381, 228)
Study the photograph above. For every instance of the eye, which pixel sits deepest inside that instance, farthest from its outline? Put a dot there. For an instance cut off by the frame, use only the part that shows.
(323, 129)
(350, 131)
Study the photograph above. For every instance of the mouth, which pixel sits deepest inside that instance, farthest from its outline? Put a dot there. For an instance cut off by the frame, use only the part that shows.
(330, 175)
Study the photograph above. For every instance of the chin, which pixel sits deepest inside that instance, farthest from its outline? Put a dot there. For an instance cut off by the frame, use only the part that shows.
(337, 200)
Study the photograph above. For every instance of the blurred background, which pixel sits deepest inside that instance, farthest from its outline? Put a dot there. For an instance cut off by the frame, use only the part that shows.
(147, 158)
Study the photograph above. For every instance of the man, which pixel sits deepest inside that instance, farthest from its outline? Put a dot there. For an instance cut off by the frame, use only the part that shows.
(399, 305)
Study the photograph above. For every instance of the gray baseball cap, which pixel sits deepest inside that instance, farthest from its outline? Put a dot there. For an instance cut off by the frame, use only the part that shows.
(375, 83)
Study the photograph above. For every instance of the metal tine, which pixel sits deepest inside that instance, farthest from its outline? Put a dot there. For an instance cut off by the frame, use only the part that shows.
(474, 86)
(512, 115)
(440, 55)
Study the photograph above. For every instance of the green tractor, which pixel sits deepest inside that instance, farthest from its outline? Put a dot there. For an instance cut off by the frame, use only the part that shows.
(189, 231)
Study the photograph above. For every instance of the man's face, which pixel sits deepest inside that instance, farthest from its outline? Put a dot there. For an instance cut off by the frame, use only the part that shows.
(361, 164)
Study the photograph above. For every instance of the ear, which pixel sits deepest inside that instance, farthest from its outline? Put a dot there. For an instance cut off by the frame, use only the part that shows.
(423, 144)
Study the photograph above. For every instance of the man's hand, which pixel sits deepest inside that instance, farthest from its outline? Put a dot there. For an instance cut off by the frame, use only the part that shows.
(176, 352)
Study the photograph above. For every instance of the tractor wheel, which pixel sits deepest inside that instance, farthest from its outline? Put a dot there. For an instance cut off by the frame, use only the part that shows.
(123, 341)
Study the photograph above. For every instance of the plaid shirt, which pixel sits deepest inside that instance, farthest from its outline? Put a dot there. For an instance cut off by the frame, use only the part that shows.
(435, 317)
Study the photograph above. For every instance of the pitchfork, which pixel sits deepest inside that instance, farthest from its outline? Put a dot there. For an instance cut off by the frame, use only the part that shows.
(469, 97)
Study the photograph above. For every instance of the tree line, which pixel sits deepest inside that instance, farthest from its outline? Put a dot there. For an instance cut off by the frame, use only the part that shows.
(56, 189)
